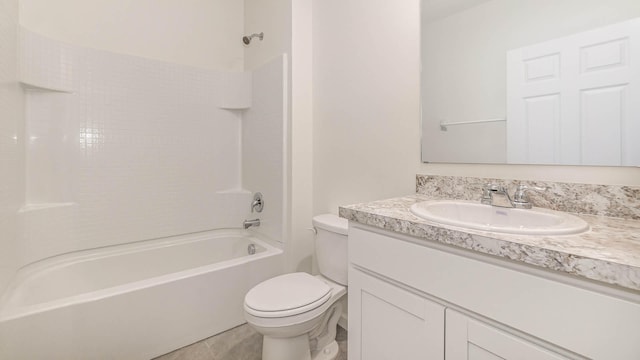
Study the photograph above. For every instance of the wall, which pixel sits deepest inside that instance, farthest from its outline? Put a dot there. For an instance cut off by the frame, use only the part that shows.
(365, 100)
(11, 138)
(301, 249)
(367, 110)
(273, 18)
(202, 33)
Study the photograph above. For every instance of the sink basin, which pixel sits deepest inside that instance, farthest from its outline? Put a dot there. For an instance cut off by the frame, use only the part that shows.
(473, 215)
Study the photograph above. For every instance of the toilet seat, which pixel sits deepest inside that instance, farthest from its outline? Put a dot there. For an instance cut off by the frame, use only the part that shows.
(287, 295)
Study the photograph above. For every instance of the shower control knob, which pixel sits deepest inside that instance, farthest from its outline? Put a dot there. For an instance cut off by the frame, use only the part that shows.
(258, 203)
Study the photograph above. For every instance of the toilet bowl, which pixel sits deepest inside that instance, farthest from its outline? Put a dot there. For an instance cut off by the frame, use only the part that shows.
(297, 313)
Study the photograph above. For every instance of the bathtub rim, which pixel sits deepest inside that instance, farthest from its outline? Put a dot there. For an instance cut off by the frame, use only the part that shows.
(8, 313)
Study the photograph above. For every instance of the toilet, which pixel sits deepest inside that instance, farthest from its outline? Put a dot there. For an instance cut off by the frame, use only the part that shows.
(297, 313)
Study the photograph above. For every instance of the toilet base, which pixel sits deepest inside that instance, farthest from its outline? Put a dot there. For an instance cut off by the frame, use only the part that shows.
(330, 352)
(296, 348)
(293, 348)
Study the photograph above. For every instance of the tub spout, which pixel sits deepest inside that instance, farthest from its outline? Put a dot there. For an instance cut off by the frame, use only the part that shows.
(249, 223)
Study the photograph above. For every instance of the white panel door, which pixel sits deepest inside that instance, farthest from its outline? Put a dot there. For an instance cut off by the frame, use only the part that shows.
(574, 100)
(469, 339)
(389, 323)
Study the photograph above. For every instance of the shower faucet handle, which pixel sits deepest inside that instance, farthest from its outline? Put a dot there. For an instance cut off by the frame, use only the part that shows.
(258, 202)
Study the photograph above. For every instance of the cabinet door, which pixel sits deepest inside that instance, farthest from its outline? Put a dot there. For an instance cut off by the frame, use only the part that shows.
(469, 339)
(390, 323)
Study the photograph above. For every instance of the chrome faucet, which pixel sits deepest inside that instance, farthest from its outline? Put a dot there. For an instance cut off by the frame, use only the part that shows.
(498, 195)
(249, 223)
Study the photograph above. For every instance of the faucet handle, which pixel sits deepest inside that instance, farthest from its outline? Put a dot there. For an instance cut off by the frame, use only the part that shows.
(520, 198)
(487, 192)
(258, 202)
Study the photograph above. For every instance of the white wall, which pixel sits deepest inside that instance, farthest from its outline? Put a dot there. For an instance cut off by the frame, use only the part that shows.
(273, 18)
(366, 110)
(301, 249)
(202, 33)
(11, 137)
(366, 86)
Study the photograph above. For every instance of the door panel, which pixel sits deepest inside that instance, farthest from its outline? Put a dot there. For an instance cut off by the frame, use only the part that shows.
(578, 95)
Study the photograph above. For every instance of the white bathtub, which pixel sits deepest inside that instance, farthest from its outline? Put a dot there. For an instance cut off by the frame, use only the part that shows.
(133, 301)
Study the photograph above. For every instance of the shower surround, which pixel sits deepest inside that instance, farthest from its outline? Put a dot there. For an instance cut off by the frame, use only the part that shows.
(121, 149)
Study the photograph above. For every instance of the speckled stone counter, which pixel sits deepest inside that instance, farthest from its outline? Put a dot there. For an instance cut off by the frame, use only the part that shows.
(608, 253)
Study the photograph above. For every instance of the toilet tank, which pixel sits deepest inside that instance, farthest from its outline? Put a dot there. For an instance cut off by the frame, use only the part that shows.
(331, 246)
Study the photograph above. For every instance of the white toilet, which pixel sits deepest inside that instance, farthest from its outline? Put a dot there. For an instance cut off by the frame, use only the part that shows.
(297, 313)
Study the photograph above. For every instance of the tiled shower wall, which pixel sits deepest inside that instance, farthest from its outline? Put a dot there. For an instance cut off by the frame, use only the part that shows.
(124, 149)
(11, 155)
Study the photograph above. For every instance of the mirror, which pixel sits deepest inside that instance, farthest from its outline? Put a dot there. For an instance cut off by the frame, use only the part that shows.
(531, 82)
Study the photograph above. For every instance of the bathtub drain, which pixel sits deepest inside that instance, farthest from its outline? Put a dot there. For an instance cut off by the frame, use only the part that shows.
(251, 249)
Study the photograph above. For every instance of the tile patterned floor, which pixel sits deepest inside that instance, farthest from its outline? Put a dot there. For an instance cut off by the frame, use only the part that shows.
(240, 343)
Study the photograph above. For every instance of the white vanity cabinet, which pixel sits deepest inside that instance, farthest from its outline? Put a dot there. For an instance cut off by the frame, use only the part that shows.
(470, 339)
(411, 298)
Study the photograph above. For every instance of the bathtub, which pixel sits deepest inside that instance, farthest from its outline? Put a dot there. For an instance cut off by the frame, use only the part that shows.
(133, 301)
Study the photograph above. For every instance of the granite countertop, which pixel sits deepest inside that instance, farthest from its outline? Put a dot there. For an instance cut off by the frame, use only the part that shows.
(608, 253)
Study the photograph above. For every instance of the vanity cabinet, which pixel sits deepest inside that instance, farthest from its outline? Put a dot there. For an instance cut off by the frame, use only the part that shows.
(411, 298)
(470, 339)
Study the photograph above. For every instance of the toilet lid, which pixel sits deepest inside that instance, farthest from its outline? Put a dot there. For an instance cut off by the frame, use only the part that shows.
(287, 295)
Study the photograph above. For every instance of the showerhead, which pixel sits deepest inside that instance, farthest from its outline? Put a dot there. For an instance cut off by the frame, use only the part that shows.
(247, 39)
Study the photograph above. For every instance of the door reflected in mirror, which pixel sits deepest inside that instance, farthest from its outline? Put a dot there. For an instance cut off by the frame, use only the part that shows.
(531, 82)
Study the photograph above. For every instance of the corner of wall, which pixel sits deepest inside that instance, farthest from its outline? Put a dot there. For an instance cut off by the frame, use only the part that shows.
(11, 148)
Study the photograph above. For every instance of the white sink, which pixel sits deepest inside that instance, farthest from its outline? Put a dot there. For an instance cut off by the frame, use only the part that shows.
(473, 215)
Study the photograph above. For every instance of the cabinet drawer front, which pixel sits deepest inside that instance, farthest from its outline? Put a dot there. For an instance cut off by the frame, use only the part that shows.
(589, 323)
